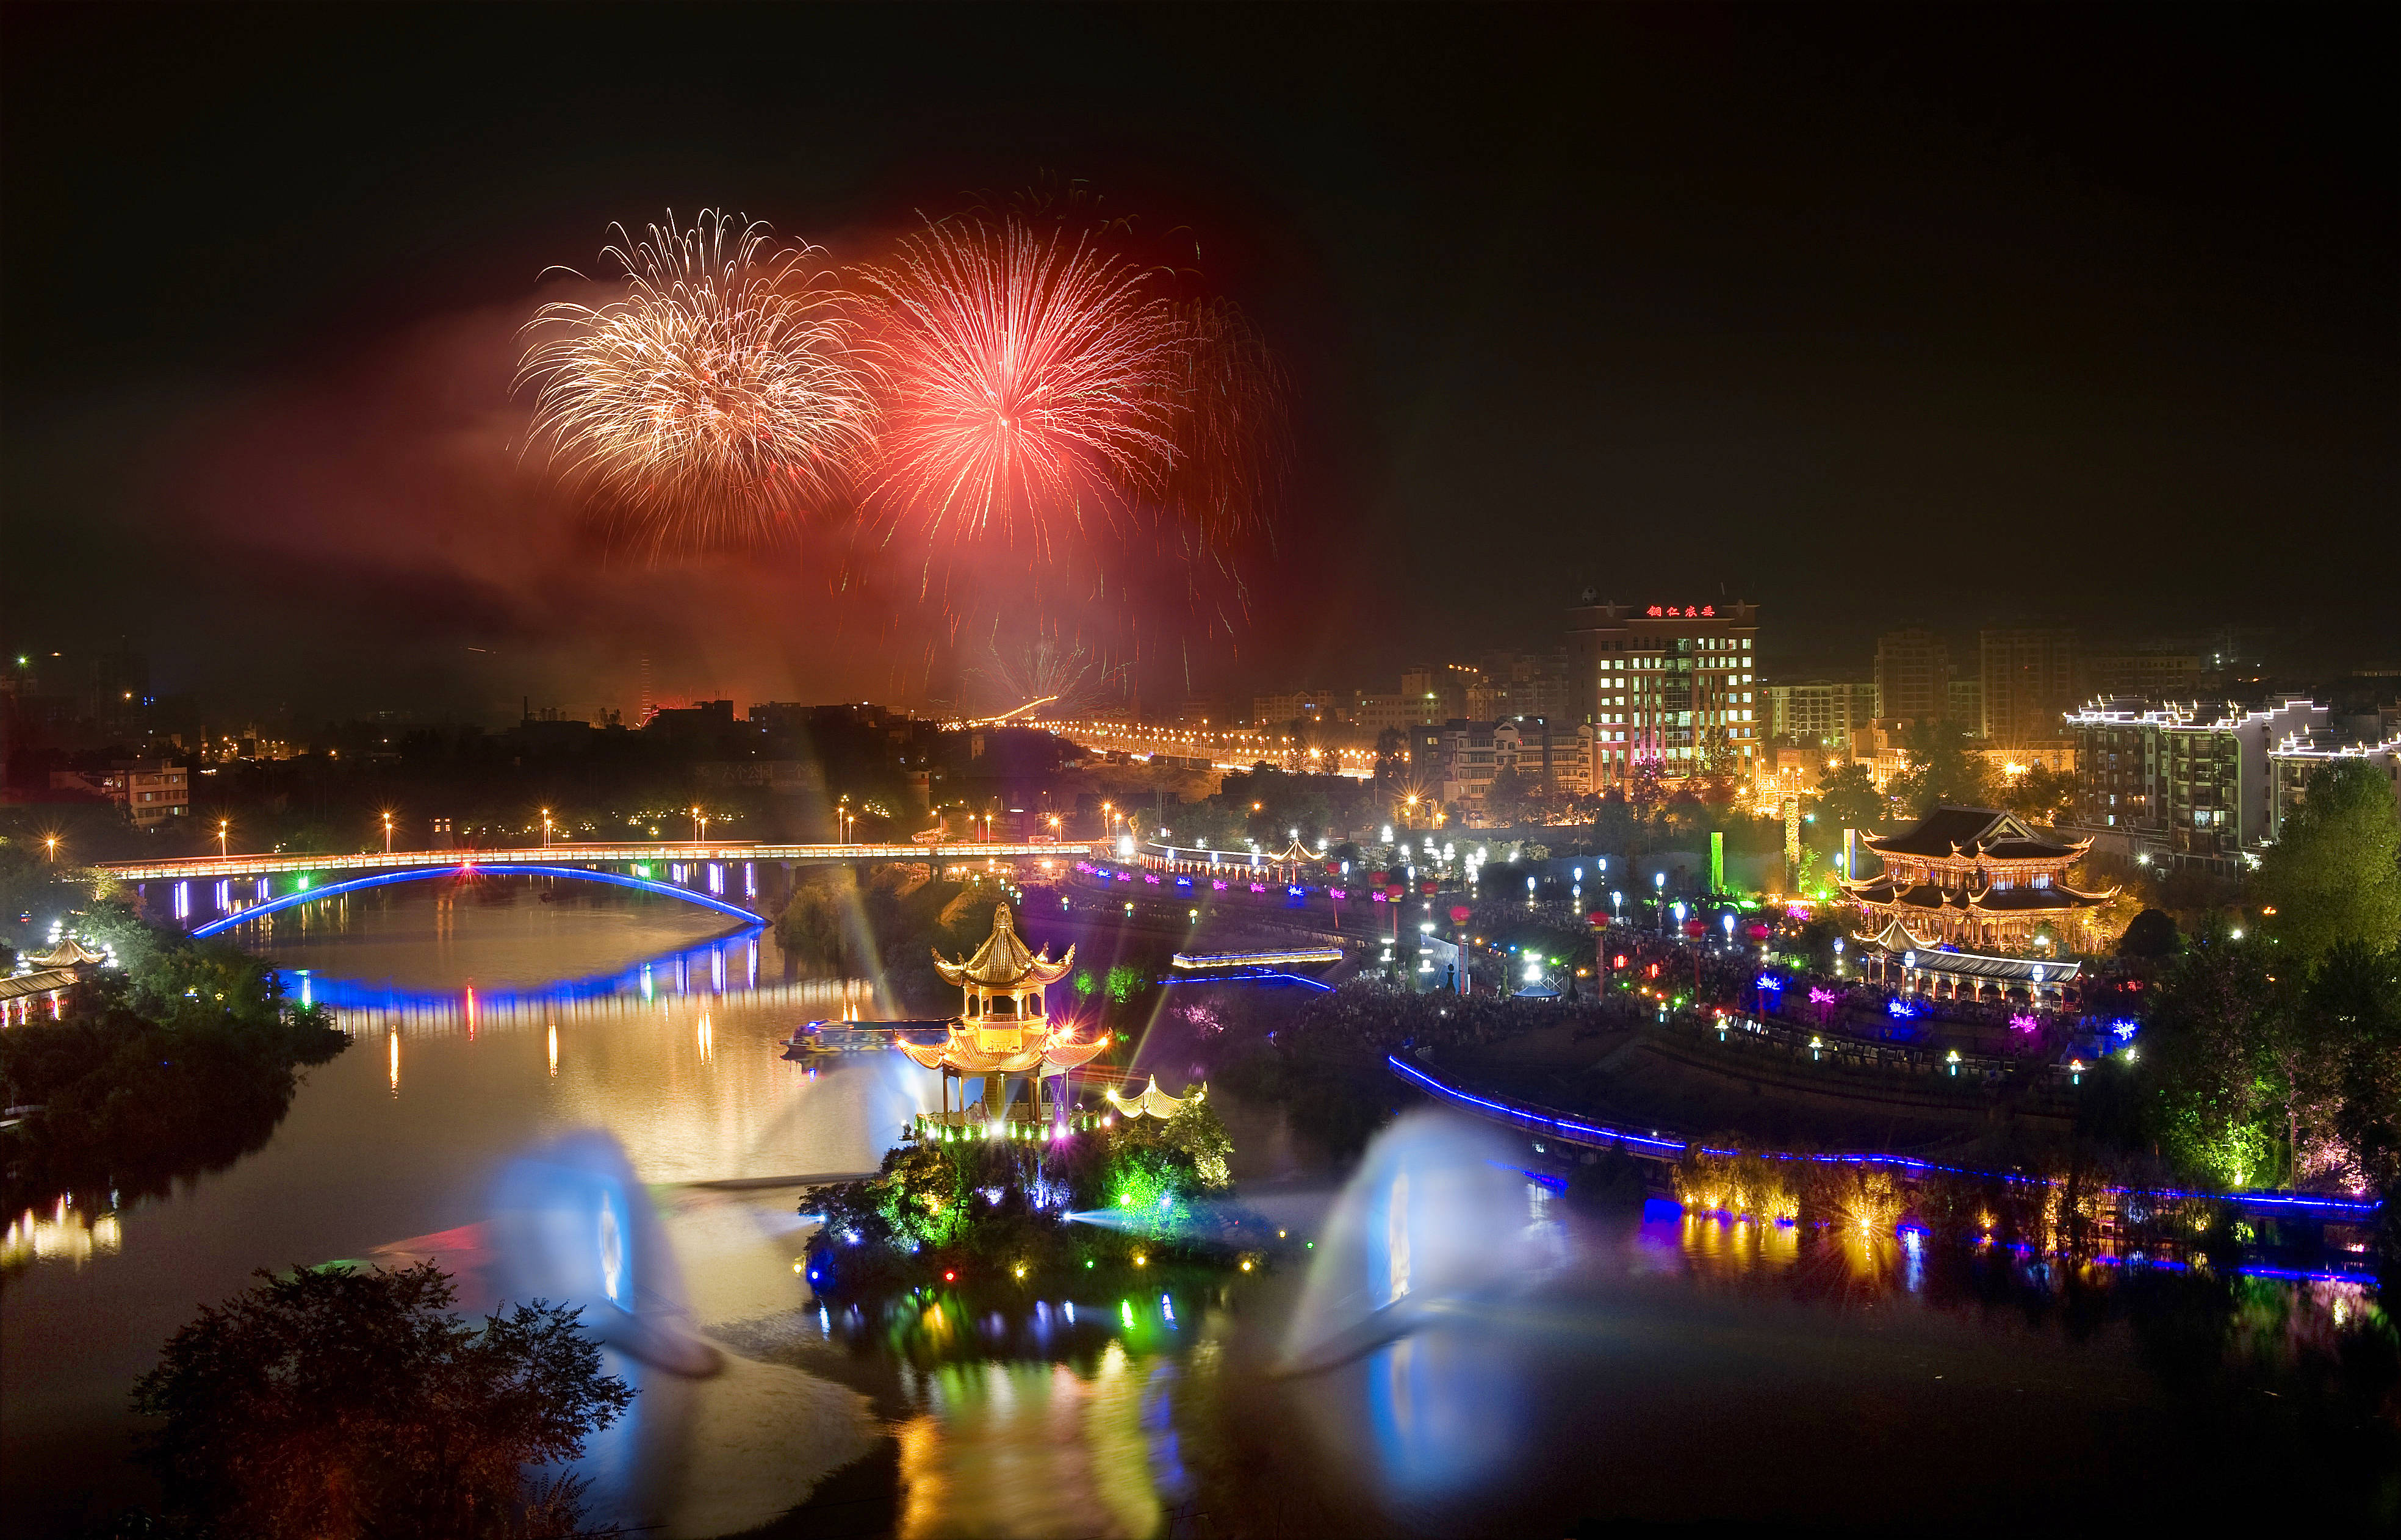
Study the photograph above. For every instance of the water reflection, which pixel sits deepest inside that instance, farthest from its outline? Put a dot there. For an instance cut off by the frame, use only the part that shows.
(69, 1232)
(1043, 1448)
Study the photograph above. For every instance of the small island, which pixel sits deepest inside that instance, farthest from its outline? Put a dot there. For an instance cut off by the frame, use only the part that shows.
(992, 1193)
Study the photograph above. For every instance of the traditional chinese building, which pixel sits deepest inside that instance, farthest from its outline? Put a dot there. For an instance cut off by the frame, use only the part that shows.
(1004, 1028)
(1976, 877)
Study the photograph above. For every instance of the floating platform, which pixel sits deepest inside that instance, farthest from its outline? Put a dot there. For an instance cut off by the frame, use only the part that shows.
(1295, 956)
(814, 1038)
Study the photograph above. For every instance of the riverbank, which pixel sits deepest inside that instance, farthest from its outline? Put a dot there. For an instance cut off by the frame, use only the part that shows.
(181, 1061)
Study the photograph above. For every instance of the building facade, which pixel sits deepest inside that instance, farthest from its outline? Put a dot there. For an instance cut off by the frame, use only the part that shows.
(2028, 683)
(2151, 675)
(151, 792)
(1912, 675)
(2300, 755)
(1671, 684)
(1822, 713)
(2195, 776)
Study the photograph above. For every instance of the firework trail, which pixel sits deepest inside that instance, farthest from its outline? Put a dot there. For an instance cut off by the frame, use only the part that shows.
(720, 400)
(1052, 668)
(1032, 383)
(1232, 428)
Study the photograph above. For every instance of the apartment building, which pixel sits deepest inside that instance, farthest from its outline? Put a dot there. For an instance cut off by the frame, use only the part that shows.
(1823, 713)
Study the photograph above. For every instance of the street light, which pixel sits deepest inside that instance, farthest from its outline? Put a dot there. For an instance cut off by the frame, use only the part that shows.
(387, 833)
(545, 831)
(49, 842)
(223, 828)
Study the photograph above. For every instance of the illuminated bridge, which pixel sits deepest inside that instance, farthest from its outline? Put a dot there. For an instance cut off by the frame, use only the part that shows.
(213, 892)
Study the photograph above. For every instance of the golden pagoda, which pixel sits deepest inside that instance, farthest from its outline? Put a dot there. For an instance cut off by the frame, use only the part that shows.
(1004, 1028)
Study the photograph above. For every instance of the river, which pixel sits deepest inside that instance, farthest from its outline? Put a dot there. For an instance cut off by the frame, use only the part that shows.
(1667, 1368)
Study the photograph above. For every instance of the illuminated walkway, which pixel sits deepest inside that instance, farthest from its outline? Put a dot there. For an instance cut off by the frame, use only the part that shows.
(1654, 1147)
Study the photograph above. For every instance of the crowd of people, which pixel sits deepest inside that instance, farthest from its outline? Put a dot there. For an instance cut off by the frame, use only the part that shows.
(1362, 1017)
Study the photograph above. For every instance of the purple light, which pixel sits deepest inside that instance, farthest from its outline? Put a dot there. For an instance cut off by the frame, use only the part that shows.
(1823, 997)
(2022, 1024)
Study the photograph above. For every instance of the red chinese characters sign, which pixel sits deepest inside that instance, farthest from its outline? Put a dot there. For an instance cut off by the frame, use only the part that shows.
(1668, 612)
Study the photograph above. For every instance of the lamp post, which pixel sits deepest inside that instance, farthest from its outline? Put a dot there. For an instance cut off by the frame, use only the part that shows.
(387, 833)
(50, 842)
(545, 831)
(224, 828)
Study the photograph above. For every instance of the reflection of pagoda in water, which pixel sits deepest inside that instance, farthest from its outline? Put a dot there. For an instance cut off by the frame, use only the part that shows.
(1004, 1028)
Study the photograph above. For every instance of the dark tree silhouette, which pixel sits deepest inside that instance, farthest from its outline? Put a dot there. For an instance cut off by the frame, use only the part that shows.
(337, 1404)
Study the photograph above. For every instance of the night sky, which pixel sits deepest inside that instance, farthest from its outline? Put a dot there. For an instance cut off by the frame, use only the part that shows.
(1938, 314)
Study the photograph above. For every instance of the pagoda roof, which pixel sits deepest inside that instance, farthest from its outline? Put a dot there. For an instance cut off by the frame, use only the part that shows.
(1989, 832)
(2024, 899)
(1043, 1051)
(69, 953)
(1004, 961)
(1152, 1102)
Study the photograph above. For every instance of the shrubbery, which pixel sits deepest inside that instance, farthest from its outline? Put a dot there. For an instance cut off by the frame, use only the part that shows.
(990, 1207)
(181, 1059)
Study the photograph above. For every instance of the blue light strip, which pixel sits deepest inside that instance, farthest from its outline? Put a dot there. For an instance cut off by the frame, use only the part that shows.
(1668, 1149)
(642, 884)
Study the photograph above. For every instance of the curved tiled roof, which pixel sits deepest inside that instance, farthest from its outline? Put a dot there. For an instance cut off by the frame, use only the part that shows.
(1951, 832)
(1004, 961)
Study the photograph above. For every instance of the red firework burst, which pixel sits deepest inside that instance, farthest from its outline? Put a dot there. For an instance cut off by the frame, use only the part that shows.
(1034, 381)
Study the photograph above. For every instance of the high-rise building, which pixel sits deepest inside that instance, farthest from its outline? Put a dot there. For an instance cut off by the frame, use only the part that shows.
(2152, 675)
(1964, 705)
(1822, 713)
(2292, 761)
(2029, 683)
(1912, 675)
(1673, 683)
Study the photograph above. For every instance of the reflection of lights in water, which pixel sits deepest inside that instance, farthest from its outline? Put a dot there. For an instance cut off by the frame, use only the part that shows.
(708, 1041)
(553, 1047)
(1396, 1238)
(470, 1012)
(1041, 1449)
(395, 1061)
(66, 1234)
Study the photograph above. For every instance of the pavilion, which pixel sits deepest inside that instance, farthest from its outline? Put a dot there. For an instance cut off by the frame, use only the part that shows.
(1975, 877)
(1004, 1026)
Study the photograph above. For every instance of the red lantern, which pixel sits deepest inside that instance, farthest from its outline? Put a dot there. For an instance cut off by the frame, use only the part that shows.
(1618, 961)
(1459, 913)
(1758, 932)
(1598, 917)
(1428, 887)
(1395, 892)
(1696, 929)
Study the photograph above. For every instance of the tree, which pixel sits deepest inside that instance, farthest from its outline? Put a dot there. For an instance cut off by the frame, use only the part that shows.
(2151, 936)
(2039, 795)
(1850, 800)
(1504, 801)
(2203, 1051)
(2334, 873)
(1941, 769)
(335, 1403)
